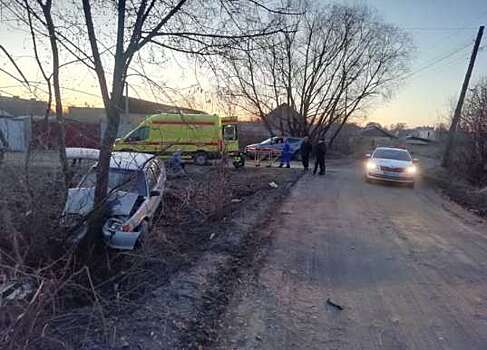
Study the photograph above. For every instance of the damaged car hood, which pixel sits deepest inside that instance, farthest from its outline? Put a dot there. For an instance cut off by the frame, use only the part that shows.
(80, 201)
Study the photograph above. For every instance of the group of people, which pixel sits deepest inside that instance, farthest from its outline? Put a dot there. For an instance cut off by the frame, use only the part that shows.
(319, 150)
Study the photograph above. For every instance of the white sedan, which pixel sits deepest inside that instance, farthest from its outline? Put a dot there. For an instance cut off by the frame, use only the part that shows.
(391, 164)
(135, 183)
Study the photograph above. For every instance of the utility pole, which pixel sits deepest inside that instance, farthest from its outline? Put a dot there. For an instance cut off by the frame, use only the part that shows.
(458, 109)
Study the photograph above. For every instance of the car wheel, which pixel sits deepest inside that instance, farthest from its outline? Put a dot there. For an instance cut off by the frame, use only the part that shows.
(200, 158)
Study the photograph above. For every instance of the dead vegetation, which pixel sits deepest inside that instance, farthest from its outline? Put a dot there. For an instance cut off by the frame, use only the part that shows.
(470, 152)
(51, 300)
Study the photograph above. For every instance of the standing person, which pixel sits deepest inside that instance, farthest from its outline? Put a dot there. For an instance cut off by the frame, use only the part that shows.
(286, 154)
(306, 149)
(320, 153)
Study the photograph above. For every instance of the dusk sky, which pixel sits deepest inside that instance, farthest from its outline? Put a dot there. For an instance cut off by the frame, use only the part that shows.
(443, 33)
(440, 30)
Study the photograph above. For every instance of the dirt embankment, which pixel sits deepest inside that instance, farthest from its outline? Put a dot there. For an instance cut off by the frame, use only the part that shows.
(469, 197)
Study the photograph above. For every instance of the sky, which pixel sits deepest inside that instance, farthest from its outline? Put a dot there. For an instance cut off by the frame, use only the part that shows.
(440, 29)
(443, 33)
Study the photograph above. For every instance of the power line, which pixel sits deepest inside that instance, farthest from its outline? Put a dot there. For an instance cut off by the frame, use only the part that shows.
(436, 61)
(439, 29)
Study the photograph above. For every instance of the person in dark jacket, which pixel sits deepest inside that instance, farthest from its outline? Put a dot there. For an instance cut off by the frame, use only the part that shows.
(306, 149)
(320, 153)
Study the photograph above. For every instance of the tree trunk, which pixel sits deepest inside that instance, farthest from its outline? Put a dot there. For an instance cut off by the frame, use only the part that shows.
(57, 93)
(112, 109)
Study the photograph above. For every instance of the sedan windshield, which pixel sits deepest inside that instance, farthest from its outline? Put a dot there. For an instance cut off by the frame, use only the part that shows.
(392, 154)
(119, 179)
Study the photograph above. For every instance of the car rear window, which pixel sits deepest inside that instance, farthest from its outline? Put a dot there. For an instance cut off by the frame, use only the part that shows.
(392, 154)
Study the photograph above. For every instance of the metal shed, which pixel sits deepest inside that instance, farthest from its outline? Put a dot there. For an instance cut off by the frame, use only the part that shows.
(17, 132)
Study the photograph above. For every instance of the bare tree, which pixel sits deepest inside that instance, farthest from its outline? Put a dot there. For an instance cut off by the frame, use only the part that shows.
(471, 152)
(398, 127)
(190, 27)
(86, 31)
(327, 69)
(37, 16)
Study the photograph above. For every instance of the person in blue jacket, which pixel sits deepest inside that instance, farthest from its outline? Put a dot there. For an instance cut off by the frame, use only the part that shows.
(286, 155)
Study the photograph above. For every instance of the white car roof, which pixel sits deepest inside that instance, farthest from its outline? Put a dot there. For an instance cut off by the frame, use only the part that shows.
(82, 153)
(122, 160)
(129, 160)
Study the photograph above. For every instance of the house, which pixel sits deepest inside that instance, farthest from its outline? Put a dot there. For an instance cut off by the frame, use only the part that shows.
(425, 133)
(280, 117)
(370, 137)
(415, 140)
(377, 135)
(18, 107)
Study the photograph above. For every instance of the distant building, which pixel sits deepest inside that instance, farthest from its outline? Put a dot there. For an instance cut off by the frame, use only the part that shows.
(375, 132)
(370, 137)
(19, 107)
(425, 132)
(24, 122)
(280, 118)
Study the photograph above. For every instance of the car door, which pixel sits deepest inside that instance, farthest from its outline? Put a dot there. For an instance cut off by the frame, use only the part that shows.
(155, 181)
(277, 145)
(138, 139)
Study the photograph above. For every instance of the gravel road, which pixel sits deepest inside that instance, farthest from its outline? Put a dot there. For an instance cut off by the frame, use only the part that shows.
(408, 267)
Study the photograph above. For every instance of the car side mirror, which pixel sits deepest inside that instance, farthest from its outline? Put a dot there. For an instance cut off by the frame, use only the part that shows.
(415, 160)
(368, 155)
(155, 193)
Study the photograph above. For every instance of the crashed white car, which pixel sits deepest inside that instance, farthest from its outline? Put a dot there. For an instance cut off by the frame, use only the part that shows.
(391, 164)
(135, 184)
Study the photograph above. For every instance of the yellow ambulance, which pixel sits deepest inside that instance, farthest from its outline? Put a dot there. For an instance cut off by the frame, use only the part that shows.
(199, 136)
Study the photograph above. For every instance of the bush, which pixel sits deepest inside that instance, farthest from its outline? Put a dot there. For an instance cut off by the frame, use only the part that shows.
(470, 154)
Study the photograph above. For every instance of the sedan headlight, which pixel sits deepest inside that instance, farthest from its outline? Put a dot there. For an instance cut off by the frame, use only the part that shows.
(371, 165)
(114, 224)
(411, 170)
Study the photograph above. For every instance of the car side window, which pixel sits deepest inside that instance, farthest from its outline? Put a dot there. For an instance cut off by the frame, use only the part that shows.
(139, 134)
(153, 173)
(151, 179)
(156, 169)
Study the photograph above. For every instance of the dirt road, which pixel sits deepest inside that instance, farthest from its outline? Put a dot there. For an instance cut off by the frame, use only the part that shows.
(409, 268)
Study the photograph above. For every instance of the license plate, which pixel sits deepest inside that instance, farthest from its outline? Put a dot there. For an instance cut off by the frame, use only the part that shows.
(390, 173)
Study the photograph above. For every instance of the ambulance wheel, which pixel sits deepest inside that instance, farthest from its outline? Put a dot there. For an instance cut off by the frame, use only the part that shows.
(200, 158)
(239, 162)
